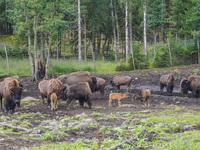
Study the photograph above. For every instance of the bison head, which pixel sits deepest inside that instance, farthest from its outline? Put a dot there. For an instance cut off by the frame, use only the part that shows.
(41, 73)
(94, 84)
(185, 86)
(64, 92)
(170, 87)
(15, 94)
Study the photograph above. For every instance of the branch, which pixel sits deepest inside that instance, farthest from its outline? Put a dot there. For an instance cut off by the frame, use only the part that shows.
(126, 142)
(14, 127)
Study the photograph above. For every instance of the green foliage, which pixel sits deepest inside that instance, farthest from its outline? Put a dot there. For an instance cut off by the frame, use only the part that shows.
(14, 52)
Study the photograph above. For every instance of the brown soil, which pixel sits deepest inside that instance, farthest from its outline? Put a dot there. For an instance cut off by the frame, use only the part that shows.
(141, 80)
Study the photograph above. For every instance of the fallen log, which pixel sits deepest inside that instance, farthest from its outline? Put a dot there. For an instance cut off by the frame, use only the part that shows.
(126, 142)
(16, 128)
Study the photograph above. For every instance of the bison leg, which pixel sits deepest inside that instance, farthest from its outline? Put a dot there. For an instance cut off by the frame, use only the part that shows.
(161, 87)
(148, 102)
(119, 102)
(69, 101)
(110, 103)
(194, 94)
(118, 87)
(89, 103)
(81, 102)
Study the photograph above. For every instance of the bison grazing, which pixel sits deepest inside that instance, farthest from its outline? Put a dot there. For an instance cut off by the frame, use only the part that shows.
(116, 96)
(144, 96)
(193, 85)
(82, 76)
(41, 69)
(12, 94)
(119, 80)
(47, 87)
(80, 91)
(184, 87)
(101, 83)
(167, 80)
(53, 101)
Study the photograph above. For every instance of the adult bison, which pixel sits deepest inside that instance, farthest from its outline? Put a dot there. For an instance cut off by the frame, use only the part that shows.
(80, 91)
(101, 83)
(82, 76)
(12, 95)
(47, 87)
(2, 84)
(119, 80)
(41, 69)
(184, 87)
(193, 85)
(167, 80)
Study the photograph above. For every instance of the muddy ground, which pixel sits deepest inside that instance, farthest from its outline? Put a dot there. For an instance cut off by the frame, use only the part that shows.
(141, 80)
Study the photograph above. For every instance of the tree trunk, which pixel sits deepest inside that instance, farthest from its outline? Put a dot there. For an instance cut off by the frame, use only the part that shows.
(42, 46)
(35, 41)
(117, 44)
(145, 37)
(170, 55)
(104, 45)
(99, 43)
(85, 39)
(64, 46)
(198, 51)
(79, 32)
(114, 33)
(126, 31)
(7, 59)
(93, 57)
(57, 49)
(29, 40)
(154, 50)
(131, 39)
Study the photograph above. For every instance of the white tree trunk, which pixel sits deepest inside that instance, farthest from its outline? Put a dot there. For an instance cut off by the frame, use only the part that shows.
(170, 55)
(114, 33)
(79, 31)
(85, 39)
(126, 31)
(7, 59)
(131, 39)
(42, 46)
(29, 40)
(145, 37)
(35, 41)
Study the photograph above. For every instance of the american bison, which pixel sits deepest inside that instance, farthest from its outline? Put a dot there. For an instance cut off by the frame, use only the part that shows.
(144, 96)
(12, 95)
(193, 85)
(184, 87)
(119, 80)
(2, 84)
(54, 101)
(80, 91)
(82, 76)
(47, 87)
(41, 69)
(167, 80)
(101, 83)
(116, 96)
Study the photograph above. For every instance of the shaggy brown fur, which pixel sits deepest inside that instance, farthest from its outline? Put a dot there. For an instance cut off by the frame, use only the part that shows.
(144, 96)
(194, 85)
(75, 77)
(119, 80)
(116, 96)
(41, 64)
(80, 91)
(101, 83)
(47, 87)
(167, 80)
(54, 101)
(183, 87)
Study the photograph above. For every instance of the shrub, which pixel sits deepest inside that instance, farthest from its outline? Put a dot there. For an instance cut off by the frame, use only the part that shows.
(14, 52)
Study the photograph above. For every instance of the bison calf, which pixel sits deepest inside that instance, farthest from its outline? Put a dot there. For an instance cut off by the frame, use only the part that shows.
(116, 96)
(144, 96)
(80, 91)
(119, 80)
(53, 101)
(167, 80)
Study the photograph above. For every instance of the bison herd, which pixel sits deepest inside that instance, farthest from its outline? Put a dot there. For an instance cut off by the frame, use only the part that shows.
(80, 86)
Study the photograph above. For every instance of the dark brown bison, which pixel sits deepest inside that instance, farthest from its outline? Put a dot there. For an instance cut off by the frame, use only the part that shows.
(12, 95)
(47, 87)
(101, 83)
(144, 96)
(82, 76)
(41, 69)
(119, 80)
(184, 87)
(167, 80)
(193, 85)
(80, 91)
(2, 84)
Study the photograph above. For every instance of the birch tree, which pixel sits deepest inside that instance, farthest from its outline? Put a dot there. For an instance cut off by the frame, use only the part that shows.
(126, 30)
(144, 31)
(131, 39)
(114, 33)
(79, 32)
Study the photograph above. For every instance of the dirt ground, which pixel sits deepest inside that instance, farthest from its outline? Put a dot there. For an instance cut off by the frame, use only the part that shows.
(141, 80)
